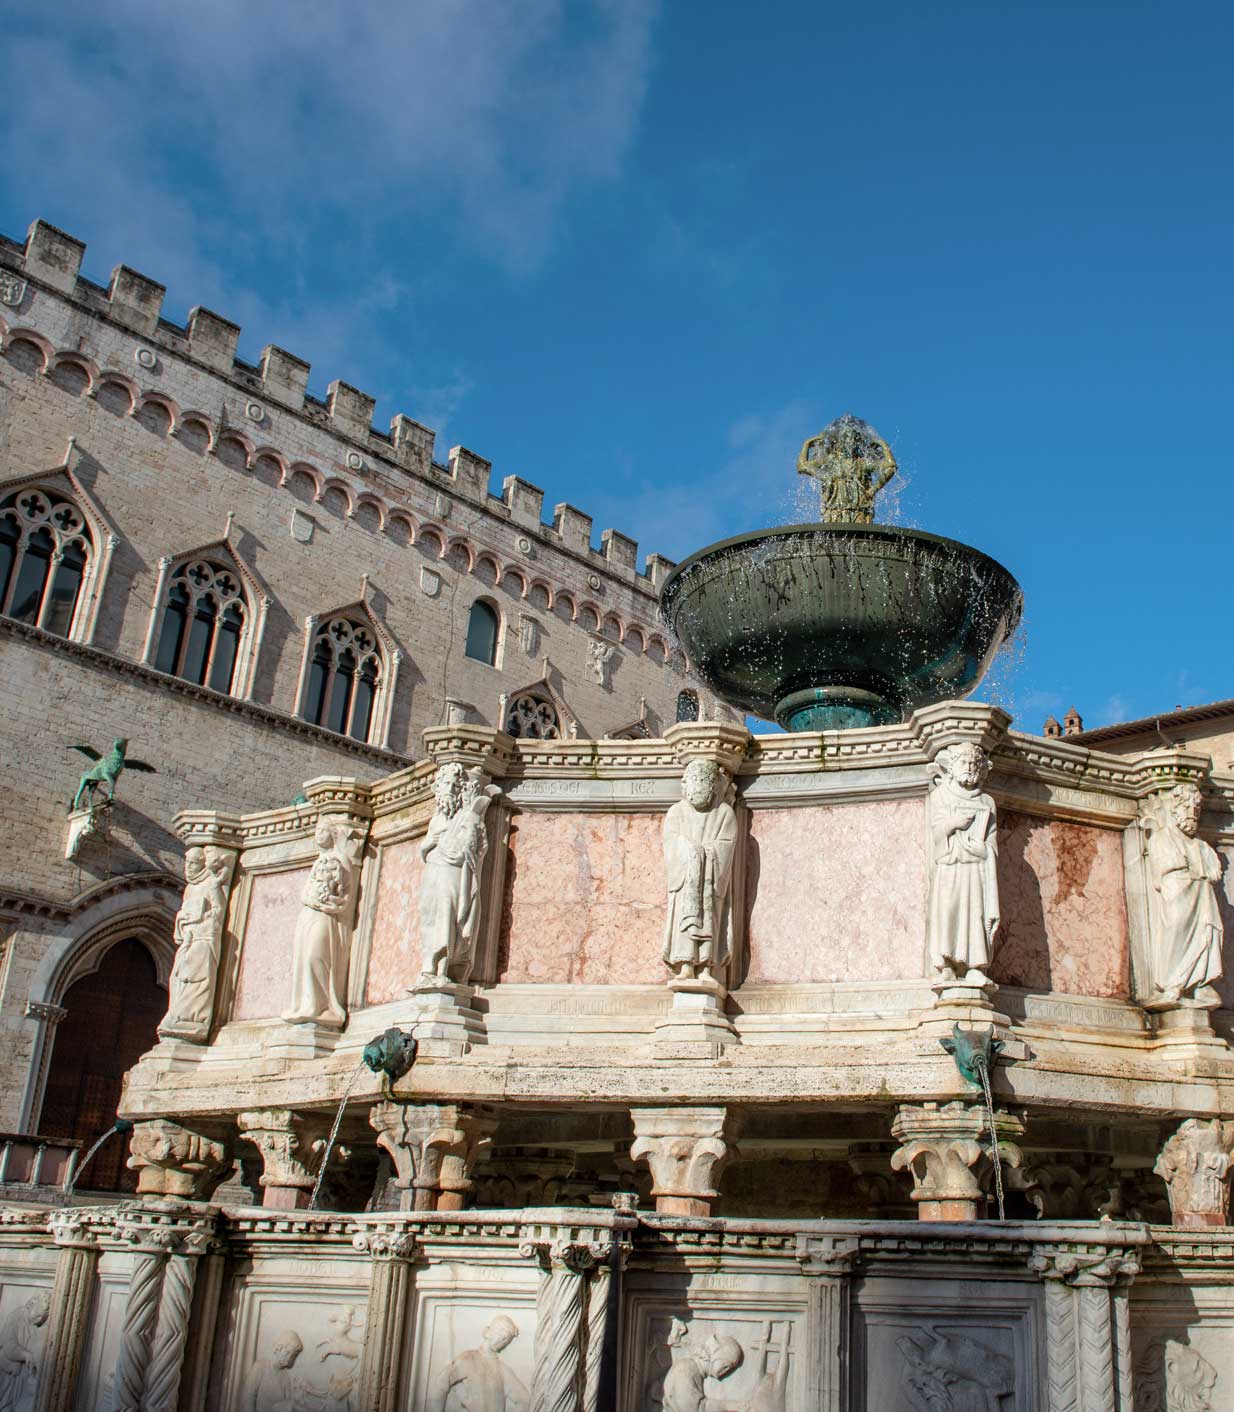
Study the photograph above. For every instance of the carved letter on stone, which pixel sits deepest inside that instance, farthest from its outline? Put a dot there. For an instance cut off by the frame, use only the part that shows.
(963, 906)
(700, 837)
(453, 851)
(1186, 921)
(199, 939)
(478, 1379)
(323, 932)
(1195, 1165)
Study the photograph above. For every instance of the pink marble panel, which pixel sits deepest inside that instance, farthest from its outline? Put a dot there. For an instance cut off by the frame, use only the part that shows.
(1064, 924)
(264, 984)
(394, 957)
(584, 900)
(837, 893)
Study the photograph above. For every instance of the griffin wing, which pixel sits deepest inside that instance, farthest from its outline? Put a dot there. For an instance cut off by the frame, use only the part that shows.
(140, 766)
(87, 750)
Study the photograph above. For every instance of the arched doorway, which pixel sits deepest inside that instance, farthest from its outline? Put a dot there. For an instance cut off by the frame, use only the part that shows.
(112, 1019)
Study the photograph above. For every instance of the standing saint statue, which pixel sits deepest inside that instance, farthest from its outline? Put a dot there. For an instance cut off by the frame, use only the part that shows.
(962, 915)
(700, 837)
(198, 934)
(323, 931)
(453, 852)
(851, 464)
(1187, 929)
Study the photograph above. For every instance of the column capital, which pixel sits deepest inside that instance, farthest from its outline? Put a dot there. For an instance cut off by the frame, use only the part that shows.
(828, 1255)
(171, 1160)
(1196, 1164)
(685, 1148)
(434, 1148)
(484, 747)
(956, 722)
(291, 1146)
(1090, 1266)
(721, 742)
(387, 1242)
(947, 1151)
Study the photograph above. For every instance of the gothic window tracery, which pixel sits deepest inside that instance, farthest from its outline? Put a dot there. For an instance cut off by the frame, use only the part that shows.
(530, 717)
(204, 622)
(46, 551)
(344, 678)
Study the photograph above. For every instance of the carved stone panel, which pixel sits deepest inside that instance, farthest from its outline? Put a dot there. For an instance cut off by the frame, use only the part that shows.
(468, 1343)
(947, 1346)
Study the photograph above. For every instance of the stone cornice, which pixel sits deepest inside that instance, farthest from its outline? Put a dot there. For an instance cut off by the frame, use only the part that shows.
(250, 710)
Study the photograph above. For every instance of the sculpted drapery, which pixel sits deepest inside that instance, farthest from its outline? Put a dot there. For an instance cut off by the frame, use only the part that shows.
(700, 837)
(1187, 927)
(323, 932)
(453, 850)
(962, 915)
(198, 935)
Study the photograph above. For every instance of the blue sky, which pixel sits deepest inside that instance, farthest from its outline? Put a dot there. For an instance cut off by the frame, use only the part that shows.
(637, 253)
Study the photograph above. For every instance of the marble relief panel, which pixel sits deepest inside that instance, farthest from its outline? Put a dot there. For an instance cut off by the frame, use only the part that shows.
(24, 1306)
(1182, 1348)
(584, 900)
(836, 893)
(1064, 914)
(394, 955)
(264, 984)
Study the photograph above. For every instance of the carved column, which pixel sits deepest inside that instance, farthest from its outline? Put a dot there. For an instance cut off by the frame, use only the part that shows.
(571, 1316)
(389, 1298)
(167, 1353)
(1088, 1355)
(828, 1262)
(172, 1161)
(1195, 1165)
(291, 1147)
(68, 1321)
(686, 1148)
(434, 1148)
(948, 1152)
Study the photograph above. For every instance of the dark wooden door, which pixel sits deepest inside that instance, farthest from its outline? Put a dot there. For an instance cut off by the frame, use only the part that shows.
(112, 1020)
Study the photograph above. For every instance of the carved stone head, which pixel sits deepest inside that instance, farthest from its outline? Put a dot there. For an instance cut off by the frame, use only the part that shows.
(323, 835)
(39, 1308)
(722, 1354)
(448, 788)
(287, 1348)
(501, 1333)
(699, 783)
(1185, 802)
(965, 763)
(195, 864)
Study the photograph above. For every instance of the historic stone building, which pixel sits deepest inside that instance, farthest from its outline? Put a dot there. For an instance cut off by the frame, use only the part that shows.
(253, 587)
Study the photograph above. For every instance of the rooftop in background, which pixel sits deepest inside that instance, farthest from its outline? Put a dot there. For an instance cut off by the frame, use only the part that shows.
(1208, 728)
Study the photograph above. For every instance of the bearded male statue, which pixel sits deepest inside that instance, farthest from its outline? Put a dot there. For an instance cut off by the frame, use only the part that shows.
(700, 838)
(962, 913)
(1187, 929)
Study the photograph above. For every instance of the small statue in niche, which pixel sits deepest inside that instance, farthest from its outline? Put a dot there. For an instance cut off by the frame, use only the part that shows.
(962, 915)
(323, 931)
(1187, 930)
(599, 654)
(477, 1380)
(271, 1386)
(453, 850)
(685, 1383)
(199, 936)
(700, 838)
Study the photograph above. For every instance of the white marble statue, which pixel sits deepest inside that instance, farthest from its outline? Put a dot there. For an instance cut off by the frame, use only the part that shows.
(478, 1381)
(962, 915)
(599, 655)
(685, 1383)
(1187, 930)
(323, 931)
(18, 1353)
(453, 851)
(271, 1386)
(199, 938)
(700, 838)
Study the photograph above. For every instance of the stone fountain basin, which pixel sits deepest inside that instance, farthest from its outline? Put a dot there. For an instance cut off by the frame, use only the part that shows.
(839, 625)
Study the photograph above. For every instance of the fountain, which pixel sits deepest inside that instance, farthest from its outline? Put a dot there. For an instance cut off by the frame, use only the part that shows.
(841, 623)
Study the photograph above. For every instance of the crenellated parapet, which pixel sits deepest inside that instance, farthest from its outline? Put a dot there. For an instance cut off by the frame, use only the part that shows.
(365, 464)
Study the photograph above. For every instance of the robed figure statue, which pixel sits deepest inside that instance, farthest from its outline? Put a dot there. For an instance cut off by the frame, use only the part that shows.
(962, 914)
(700, 837)
(1187, 928)
(198, 932)
(322, 943)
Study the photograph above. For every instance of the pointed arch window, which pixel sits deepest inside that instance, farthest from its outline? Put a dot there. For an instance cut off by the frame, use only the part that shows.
(345, 679)
(482, 632)
(204, 624)
(532, 717)
(46, 552)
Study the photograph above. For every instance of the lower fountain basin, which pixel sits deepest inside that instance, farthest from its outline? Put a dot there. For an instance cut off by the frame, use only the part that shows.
(836, 626)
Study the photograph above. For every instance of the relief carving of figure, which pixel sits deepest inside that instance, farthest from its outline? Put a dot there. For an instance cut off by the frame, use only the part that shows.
(323, 931)
(199, 939)
(599, 655)
(1172, 1377)
(271, 1386)
(478, 1381)
(950, 1372)
(453, 851)
(694, 1364)
(700, 838)
(1187, 930)
(962, 916)
(18, 1355)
